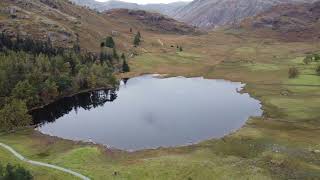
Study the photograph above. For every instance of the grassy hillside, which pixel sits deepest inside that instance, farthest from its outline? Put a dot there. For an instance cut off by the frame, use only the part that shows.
(282, 144)
(64, 22)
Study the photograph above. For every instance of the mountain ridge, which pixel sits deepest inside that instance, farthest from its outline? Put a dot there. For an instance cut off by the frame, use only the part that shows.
(214, 13)
(289, 22)
(166, 9)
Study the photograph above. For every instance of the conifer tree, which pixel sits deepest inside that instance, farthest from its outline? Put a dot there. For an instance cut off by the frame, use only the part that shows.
(110, 42)
(125, 66)
(115, 54)
(137, 39)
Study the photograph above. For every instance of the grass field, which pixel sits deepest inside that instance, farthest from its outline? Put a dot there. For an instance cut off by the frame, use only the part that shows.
(282, 144)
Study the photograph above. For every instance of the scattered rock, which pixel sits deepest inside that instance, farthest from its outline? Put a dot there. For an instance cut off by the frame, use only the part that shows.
(316, 151)
(114, 33)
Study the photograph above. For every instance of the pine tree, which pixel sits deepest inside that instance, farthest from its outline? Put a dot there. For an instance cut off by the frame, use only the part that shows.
(139, 34)
(110, 42)
(125, 66)
(115, 54)
(123, 57)
(137, 39)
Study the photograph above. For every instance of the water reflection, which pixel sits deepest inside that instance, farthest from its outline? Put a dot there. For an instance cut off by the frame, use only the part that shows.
(86, 101)
(148, 112)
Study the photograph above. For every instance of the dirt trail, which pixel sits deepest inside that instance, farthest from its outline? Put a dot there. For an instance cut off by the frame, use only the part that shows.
(20, 157)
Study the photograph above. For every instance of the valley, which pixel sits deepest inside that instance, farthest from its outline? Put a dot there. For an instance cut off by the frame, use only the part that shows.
(283, 143)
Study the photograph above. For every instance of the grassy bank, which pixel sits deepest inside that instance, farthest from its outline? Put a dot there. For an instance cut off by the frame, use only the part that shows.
(283, 144)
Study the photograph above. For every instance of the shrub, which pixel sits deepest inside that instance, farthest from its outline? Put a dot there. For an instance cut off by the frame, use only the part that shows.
(308, 59)
(316, 57)
(318, 70)
(293, 72)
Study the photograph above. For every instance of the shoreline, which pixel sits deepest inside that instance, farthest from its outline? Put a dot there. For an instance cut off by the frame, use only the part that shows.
(68, 96)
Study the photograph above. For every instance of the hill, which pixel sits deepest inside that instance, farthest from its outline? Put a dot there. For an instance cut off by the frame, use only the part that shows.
(214, 13)
(66, 23)
(289, 21)
(151, 21)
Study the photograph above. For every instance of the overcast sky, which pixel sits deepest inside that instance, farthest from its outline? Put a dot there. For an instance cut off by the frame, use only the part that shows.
(148, 1)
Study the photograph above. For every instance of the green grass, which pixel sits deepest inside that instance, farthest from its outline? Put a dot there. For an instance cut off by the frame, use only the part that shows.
(261, 67)
(305, 79)
(39, 173)
(246, 50)
(193, 162)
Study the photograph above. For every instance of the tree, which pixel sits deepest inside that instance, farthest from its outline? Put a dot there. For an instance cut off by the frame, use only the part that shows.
(14, 114)
(308, 59)
(293, 72)
(76, 45)
(125, 66)
(180, 49)
(49, 90)
(137, 39)
(123, 57)
(26, 92)
(316, 57)
(139, 34)
(318, 70)
(82, 77)
(110, 42)
(63, 82)
(115, 54)
(14, 173)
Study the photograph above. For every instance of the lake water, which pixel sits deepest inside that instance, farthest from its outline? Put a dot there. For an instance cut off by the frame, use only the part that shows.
(149, 112)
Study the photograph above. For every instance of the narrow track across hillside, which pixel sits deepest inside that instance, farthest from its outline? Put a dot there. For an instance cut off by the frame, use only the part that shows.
(20, 157)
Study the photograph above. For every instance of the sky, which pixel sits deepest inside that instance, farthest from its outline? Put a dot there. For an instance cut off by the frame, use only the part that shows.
(147, 1)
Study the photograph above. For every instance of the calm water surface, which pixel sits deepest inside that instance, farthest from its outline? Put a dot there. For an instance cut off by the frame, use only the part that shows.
(148, 112)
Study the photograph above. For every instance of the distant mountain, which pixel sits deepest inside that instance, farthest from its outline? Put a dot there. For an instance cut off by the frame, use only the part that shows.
(213, 13)
(288, 21)
(166, 9)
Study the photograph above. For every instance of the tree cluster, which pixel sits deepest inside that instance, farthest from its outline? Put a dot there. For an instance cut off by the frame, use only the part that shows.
(28, 45)
(32, 76)
(313, 58)
(11, 172)
(112, 57)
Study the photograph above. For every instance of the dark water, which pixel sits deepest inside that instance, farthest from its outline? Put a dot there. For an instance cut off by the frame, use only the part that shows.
(148, 112)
